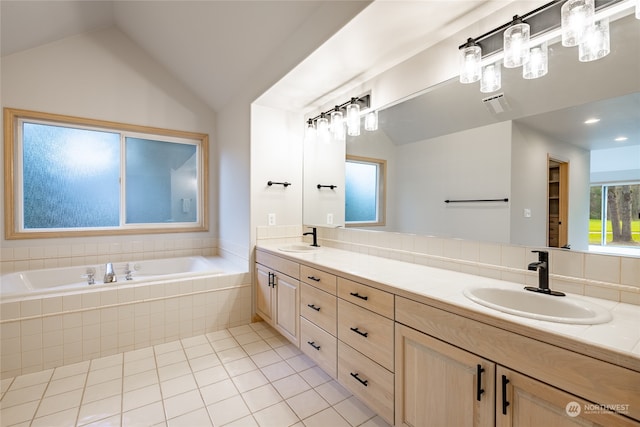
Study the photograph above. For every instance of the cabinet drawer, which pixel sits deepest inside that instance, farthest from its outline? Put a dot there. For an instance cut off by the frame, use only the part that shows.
(365, 296)
(318, 278)
(319, 345)
(282, 265)
(319, 307)
(367, 380)
(366, 331)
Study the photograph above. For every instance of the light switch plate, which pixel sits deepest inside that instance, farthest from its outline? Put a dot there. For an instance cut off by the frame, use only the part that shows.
(527, 213)
(272, 219)
(330, 218)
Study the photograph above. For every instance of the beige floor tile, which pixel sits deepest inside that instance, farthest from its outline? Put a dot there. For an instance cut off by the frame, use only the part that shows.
(291, 385)
(102, 390)
(144, 415)
(227, 410)
(141, 397)
(249, 380)
(307, 403)
(354, 411)
(199, 418)
(62, 418)
(327, 417)
(240, 366)
(278, 415)
(216, 392)
(98, 410)
(277, 371)
(210, 375)
(183, 404)
(261, 397)
(178, 385)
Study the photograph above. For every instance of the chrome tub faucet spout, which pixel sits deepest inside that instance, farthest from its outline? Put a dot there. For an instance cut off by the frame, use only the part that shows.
(110, 274)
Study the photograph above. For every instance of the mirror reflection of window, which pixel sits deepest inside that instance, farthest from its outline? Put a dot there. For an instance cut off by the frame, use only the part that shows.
(364, 191)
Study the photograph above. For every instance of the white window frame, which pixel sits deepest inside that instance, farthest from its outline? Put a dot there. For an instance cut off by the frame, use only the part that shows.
(381, 165)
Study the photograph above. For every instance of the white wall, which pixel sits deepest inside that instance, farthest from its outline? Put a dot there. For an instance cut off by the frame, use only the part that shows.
(275, 139)
(103, 75)
(529, 188)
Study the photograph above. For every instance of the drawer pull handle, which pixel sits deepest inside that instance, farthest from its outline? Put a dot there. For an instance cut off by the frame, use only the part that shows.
(363, 382)
(272, 279)
(313, 306)
(315, 279)
(479, 389)
(314, 345)
(357, 295)
(505, 402)
(359, 332)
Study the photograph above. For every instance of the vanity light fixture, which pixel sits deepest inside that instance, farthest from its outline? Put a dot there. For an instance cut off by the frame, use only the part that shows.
(345, 118)
(538, 64)
(337, 124)
(470, 61)
(576, 18)
(353, 118)
(595, 43)
(516, 43)
(371, 121)
(581, 23)
(491, 80)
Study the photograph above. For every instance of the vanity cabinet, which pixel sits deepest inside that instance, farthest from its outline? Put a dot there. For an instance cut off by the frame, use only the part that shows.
(439, 384)
(365, 345)
(318, 318)
(532, 383)
(278, 294)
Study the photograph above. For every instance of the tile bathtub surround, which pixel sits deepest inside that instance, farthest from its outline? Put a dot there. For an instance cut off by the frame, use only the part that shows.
(52, 331)
(65, 255)
(244, 376)
(602, 276)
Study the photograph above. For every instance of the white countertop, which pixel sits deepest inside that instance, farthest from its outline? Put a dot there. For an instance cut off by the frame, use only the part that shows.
(617, 341)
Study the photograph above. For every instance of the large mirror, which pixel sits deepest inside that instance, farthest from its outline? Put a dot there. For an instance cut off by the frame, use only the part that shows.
(522, 168)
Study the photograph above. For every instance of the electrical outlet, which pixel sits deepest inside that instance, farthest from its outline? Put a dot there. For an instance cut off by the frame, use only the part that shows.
(330, 218)
(527, 213)
(272, 219)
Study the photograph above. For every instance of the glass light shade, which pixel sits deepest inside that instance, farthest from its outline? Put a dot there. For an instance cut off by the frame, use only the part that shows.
(470, 57)
(310, 132)
(353, 118)
(596, 43)
(322, 126)
(337, 126)
(538, 64)
(576, 17)
(371, 121)
(516, 45)
(491, 78)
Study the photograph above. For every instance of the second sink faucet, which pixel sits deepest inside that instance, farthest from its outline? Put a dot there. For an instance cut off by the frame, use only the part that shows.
(110, 274)
(542, 267)
(313, 233)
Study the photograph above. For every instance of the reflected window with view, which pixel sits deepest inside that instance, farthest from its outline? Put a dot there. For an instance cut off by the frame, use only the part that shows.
(364, 191)
(85, 177)
(614, 218)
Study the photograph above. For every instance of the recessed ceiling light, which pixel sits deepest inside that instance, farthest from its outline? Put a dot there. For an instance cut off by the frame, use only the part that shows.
(621, 139)
(591, 121)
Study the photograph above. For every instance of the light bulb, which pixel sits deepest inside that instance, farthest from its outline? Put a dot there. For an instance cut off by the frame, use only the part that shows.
(538, 64)
(310, 132)
(491, 78)
(576, 17)
(470, 57)
(595, 43)
(516, 44)
(353, 118)
(322, 126)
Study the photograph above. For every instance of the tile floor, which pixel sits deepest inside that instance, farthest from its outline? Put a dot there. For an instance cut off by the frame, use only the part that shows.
(244, 376)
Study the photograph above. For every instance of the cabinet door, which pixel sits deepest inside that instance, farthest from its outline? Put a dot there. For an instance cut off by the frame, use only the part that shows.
(264, 293)
(522, 401)
(438, 384)
(288, 307)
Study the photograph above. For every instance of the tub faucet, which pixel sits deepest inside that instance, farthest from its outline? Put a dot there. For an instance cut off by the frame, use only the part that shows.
(313, 233)
(542, 267)
(110, 274)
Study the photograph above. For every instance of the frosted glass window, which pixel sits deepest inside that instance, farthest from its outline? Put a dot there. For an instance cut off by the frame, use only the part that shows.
(71, 176)
(364, 192)
(161, 181)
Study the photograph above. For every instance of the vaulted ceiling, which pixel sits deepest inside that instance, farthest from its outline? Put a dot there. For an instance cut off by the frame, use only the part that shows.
(214, 47)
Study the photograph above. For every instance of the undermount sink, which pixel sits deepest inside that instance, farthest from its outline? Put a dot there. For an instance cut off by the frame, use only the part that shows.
(299, 247)
(567, 309)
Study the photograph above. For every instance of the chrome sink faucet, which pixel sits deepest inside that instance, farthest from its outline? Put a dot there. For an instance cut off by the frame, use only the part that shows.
(542, 267)
(110, 274)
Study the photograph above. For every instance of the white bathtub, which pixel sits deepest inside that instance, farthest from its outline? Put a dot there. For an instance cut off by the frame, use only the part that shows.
(55, 280)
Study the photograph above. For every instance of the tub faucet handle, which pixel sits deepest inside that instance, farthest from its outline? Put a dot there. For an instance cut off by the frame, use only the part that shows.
(90, 275)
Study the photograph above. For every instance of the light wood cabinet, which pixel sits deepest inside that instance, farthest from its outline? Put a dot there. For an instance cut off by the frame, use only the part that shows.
(439, 384)
(319, 345)
(525, 402)
(278, 294)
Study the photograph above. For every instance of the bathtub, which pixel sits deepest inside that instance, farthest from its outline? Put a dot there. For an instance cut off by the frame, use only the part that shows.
(53, 317)
(57, 280)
